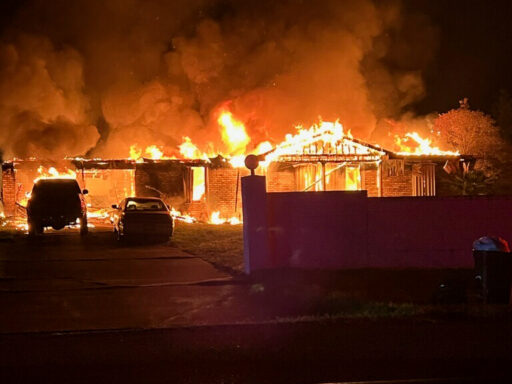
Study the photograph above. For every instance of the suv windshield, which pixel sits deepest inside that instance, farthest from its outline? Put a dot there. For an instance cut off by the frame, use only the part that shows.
(145, 205)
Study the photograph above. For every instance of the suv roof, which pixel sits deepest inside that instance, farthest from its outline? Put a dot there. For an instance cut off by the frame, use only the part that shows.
(54, 185)
(55, 180)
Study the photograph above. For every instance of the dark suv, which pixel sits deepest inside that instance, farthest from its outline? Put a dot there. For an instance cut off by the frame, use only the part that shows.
(56, 203)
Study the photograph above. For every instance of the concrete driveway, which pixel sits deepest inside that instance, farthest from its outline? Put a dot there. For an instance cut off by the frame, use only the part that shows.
(61, 282)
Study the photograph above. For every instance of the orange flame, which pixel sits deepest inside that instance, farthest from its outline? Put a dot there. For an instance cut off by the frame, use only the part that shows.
(412, 144)
(198, 183)
(217, 220)
(53, 173)
(190, 151)
(233, 133)
(154, 152)
(50, 173)
(177, 215)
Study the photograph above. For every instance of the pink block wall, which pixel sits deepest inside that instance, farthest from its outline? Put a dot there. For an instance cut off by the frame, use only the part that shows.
(317, 229)
(433, 232)
(348, 230)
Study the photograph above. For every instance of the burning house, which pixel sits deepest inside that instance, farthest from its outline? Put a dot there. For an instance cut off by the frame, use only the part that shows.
(322, 158)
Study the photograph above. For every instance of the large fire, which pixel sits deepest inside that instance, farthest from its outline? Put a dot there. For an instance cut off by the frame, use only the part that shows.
(324, 138)
(330, 135)
(413, 144)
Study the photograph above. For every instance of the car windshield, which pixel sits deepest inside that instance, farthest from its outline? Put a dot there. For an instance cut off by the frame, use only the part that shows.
(56, 187)
(145, 205)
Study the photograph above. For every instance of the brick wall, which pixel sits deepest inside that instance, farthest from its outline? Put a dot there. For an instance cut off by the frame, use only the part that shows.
(371, 181)
(398, 185)
(197, 209)
(9, 191)
(222, 191)
(280, 178)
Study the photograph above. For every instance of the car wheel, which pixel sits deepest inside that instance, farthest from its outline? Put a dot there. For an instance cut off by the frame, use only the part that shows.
(119, 237)
(83, 226)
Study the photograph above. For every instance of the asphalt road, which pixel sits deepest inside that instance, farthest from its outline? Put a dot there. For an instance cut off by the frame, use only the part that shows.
(91, 310)
(61, 282)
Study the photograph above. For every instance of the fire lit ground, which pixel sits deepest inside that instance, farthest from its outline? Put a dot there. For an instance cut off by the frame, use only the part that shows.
(205, 186)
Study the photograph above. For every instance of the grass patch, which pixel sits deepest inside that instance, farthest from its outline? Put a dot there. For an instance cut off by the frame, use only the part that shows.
(220, 245)
(360, 310)
(338, 304)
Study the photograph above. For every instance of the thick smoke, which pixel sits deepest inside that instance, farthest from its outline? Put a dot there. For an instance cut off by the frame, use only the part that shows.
(154, 71)
(43, 110)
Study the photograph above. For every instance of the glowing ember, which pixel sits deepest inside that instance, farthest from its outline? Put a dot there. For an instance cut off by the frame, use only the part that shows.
(413, 144)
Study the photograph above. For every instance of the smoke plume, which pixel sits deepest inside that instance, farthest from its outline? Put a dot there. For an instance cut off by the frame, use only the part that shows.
(94, 77)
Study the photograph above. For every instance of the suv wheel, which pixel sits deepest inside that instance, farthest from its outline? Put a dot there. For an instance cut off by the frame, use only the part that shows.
(83, 226)
(35, 229)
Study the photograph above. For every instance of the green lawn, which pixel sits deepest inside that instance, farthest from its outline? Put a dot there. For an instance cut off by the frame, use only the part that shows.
(221, 245)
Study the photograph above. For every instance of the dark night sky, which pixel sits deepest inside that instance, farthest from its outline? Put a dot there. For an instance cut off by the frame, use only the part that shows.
(474, 57)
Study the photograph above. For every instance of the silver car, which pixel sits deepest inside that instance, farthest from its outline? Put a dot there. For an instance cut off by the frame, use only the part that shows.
(142, 217)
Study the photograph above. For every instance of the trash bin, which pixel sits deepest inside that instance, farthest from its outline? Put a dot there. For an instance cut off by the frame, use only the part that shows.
(493, 269)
